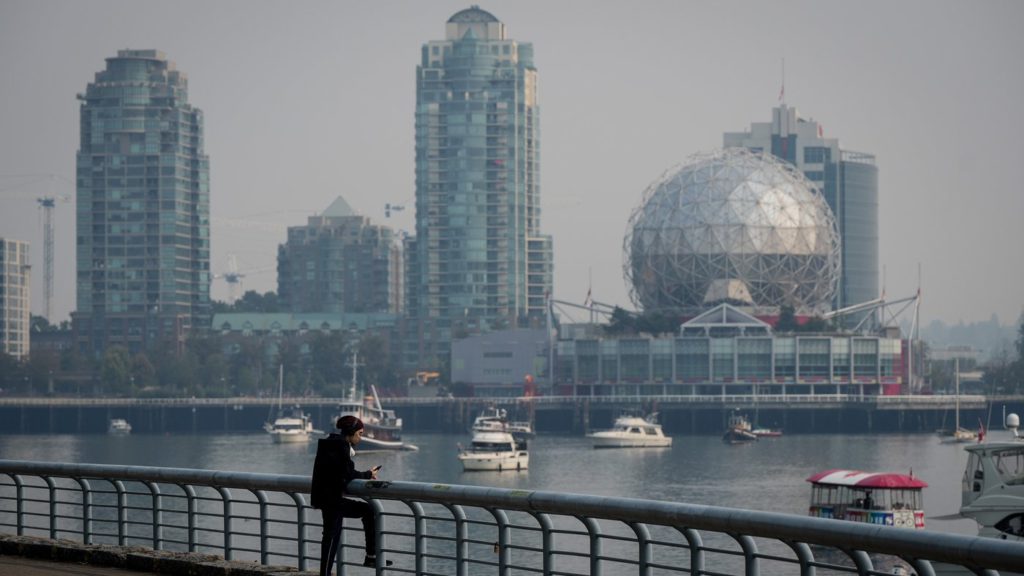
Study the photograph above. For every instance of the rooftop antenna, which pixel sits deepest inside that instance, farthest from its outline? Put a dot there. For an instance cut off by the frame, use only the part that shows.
(782, 90)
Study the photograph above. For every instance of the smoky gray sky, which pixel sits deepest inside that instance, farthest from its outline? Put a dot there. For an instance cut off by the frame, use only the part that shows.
(305, 101)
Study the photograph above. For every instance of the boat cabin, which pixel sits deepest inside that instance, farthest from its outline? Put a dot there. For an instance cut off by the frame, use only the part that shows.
(876, 498)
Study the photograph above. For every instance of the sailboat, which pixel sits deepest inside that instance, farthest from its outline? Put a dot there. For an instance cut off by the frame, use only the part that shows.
(959, 435)
(291, 426)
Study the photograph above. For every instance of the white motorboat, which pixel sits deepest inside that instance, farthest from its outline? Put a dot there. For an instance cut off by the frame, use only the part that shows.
(382, 428)
(293, 427)
(494, 419)
(632, 432)
(498, 451)
(993, 485)
(119, 427)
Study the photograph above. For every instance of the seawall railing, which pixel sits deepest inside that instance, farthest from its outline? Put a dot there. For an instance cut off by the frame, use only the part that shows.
(443, 529)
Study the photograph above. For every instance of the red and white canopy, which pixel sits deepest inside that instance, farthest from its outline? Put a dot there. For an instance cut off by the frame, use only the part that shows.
(867, 479)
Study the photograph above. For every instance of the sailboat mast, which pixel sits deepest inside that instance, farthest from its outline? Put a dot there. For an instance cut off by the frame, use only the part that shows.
(280, 386)
(956, 379)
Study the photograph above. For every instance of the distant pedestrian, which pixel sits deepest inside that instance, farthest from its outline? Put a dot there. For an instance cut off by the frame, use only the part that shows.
(332, 471)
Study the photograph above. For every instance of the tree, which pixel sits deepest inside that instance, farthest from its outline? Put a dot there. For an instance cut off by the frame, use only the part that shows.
(377, 366)
(115, 370)
(787, 320)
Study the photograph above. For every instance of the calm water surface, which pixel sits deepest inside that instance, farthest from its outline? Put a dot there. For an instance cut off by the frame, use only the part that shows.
(768, 475)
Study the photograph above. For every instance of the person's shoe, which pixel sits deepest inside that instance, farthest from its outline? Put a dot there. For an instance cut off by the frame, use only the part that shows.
(371, 561)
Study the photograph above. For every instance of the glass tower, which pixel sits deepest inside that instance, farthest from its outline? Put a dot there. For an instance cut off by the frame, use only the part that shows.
(848, 181)
(478, 261)
(143, 208)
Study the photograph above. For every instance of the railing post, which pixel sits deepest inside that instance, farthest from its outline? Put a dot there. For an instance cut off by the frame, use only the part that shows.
(122, 512)
(156, 504)
(594, 530)
(261, 497)
(420, 529)
(19, 493)
(461, 535)
(696, 544)
(86, 510)
(300, 529)
(225, 495)
(501, 519)
(804, 555)
(52, 488)
(643, 544)
(749, 548)
(190, 506)
(547, 541)
(861, 560)
(924, 568)
(378, 527)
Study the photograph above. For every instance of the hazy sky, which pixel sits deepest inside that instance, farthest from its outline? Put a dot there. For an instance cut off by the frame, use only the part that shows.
(308, 100)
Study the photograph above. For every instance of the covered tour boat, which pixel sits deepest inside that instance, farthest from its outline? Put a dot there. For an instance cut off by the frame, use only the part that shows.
(873, 497)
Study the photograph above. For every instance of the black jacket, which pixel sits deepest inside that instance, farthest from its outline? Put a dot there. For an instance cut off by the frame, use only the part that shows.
(332, 471)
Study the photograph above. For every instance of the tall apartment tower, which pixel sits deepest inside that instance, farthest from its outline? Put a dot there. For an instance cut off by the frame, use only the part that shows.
(340, 262)
(143, 208)
(849, 182)
(15, 301)
(478, 260)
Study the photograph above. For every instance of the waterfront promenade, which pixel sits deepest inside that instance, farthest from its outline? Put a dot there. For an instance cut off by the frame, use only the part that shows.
(691, 414)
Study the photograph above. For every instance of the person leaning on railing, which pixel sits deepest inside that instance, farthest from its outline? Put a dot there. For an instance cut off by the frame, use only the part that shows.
(333, 469)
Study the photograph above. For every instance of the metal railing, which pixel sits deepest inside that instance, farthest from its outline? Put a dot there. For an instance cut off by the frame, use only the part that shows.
(448, 529)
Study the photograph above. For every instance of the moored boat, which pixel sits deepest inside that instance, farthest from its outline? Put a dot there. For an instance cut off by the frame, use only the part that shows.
(498, 451)
(382, 428)
(289, 427)
(993, 485)
(494, 419)
(632, 432)
(739, 430)
(883, 498)
(119, 427)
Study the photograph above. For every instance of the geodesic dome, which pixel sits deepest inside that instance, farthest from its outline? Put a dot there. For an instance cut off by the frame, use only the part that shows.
(736, 226)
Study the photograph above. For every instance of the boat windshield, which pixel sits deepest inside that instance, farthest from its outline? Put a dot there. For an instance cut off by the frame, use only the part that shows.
(1009, 464)
(492, 447)
(287, 427)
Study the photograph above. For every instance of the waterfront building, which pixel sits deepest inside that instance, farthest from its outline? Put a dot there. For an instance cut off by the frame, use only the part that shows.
(340, 262)
(143, 208)
(478, 260)
(15, 298)
(726, 351)
(501, 363)
(848, 181)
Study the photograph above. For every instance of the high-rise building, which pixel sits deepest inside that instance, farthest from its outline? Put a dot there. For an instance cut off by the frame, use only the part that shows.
(14, 297)
(340, 262)
(478, 260)
(848, 181)
(143, 208)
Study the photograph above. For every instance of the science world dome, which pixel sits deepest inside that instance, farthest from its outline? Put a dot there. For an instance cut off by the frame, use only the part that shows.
(732, 226)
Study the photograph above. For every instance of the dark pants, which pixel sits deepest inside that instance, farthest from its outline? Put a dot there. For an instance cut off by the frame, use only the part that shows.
(333, 517)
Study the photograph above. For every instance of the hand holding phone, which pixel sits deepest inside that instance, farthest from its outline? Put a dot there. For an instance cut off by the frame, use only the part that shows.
(374, 470)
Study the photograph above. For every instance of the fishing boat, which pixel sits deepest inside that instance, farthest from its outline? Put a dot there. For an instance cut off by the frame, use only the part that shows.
(882, 498)
(496, 451)
(494, 419)
(119, 427)
(739, 430)
(382, 428)
(632, 432)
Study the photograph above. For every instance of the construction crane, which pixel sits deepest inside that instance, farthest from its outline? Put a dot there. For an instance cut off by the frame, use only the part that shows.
(46, 202)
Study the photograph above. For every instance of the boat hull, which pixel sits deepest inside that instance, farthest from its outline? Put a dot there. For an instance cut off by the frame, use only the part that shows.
(289, 438)
(494, 462)
(600, 441)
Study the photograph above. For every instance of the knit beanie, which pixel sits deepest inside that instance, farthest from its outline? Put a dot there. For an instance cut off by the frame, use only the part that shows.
(349, 424)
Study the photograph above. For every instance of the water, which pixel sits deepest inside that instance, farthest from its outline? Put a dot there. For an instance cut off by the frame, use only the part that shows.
(768, 475)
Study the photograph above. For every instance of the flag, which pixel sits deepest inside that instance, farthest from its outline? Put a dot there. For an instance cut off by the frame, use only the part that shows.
(588, 302)
(821, 131)
(782, 92)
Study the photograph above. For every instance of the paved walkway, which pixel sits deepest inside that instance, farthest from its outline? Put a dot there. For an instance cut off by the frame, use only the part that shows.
(21, 566)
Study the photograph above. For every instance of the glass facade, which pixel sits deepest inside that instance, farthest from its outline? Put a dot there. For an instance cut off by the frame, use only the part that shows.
(731, 365)
(142, 207)
(15, 298)
(478, 260)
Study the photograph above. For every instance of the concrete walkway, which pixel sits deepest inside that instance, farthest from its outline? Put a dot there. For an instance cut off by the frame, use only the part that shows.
(16, 565)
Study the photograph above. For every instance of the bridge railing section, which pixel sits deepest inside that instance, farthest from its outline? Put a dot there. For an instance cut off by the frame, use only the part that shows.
(462, 530)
